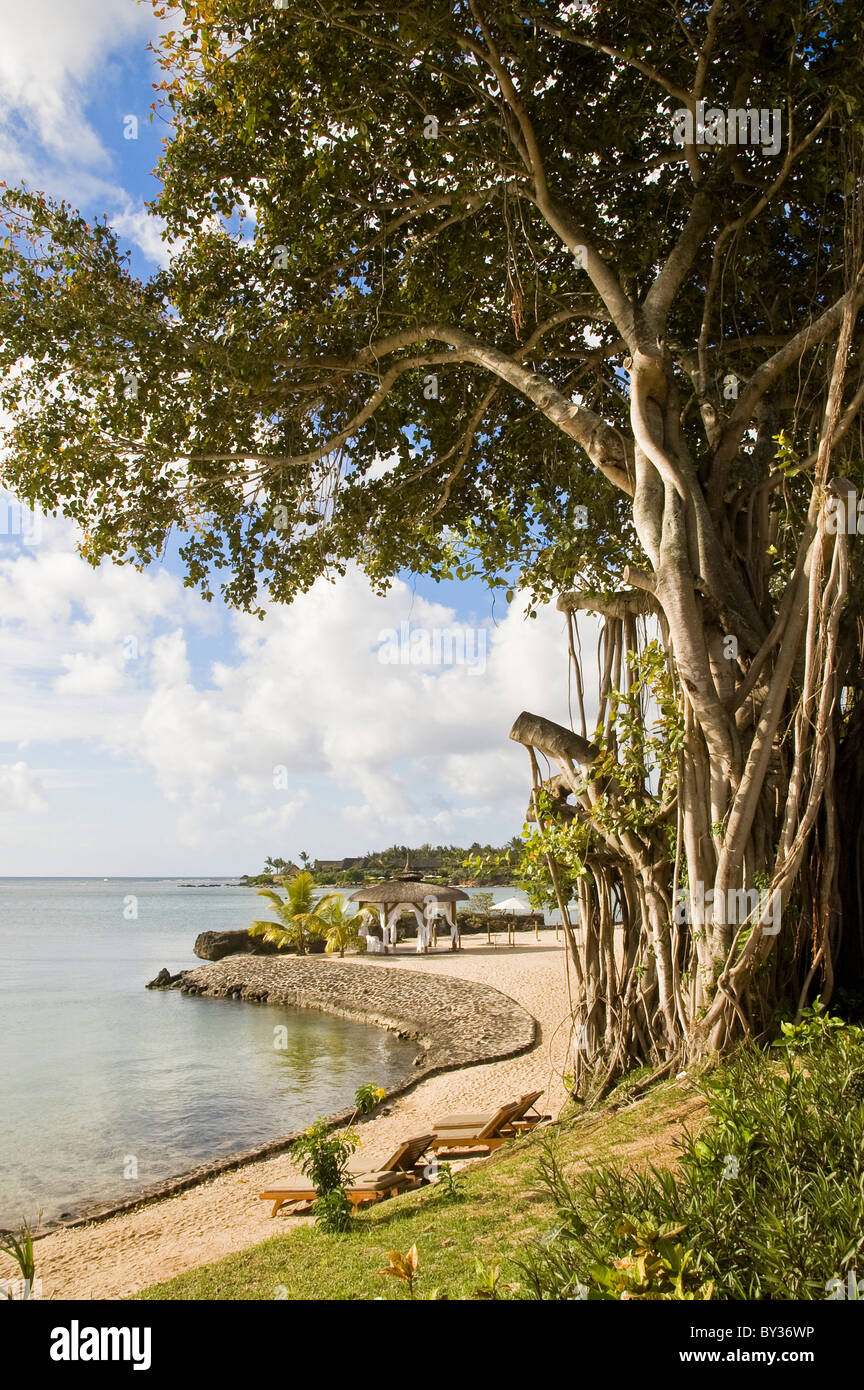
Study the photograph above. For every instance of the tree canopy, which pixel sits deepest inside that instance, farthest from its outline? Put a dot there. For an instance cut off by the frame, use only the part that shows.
(420, 178)
(560, 294)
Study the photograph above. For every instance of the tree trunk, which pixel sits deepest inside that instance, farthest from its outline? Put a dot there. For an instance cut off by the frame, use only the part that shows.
(712, 901)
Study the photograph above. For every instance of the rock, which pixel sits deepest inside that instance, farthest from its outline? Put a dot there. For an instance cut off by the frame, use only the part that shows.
(164, 980)
(213, 945)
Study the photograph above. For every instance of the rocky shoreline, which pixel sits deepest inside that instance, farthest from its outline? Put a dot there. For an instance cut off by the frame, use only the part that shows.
(456, 1023)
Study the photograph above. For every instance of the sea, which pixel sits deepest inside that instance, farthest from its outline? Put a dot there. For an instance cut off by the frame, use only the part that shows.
(107, 1087)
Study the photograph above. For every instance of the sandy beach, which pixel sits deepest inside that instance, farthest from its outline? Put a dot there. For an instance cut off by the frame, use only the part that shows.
(112, 1259)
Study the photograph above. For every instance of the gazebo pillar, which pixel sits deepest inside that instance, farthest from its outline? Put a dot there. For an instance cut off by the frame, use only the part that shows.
(385, 926)
(450, 919)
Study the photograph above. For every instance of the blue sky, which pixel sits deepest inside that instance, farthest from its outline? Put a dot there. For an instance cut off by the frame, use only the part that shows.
(146, 732)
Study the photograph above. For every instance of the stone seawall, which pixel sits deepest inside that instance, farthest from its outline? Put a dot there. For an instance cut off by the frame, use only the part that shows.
(457, 1023)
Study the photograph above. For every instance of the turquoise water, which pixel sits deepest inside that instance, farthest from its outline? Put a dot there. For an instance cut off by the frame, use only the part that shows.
(101, 1079)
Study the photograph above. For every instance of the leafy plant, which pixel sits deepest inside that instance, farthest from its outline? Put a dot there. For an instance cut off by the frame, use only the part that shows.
(301, 918)
(767, 1200)
(449, 1183)
(482, 902)
(332, 1211)
(810, 1032)
(367, 1096)
(656, 1267)
(403, 1267)
(341, 925)
(487, 1280)
(323, 1154)
(20, 1248)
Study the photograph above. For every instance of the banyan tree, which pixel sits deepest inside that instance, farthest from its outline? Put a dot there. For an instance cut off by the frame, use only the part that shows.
(567, 296)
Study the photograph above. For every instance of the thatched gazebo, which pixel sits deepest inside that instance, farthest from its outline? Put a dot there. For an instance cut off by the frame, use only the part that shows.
(426, 900)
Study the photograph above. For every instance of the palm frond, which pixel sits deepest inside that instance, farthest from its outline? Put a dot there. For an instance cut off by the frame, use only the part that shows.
(271, 897)
(270, 931)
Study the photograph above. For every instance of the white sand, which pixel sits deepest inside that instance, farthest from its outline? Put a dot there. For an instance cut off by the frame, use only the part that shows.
(113, 1259)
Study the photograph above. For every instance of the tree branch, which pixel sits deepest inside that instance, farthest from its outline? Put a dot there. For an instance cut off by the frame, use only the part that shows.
(622, 604)
(602, 443)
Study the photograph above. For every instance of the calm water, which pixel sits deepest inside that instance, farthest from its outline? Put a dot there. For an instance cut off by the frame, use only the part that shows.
(96, 1071)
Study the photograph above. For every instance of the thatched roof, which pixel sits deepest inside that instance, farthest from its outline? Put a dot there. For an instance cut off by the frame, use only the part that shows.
(406, 891)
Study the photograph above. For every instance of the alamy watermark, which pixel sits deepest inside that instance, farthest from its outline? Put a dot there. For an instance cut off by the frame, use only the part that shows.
(853, 1288)
(77, 1343)
(437, 646)
(740, 125)
(737, 906)
(845, 515)
(20, 1290)
(18, 522)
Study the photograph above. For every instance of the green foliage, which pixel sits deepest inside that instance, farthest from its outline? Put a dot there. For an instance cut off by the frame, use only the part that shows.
(20, 1248)
(787, 457)
(488, 1277)
(364, 228)
(566, 842)
(633, 750)
(482, 902)
(813, 1030)
(449, 1185)
(301, 919)
(323, 1155)
(494, 865)
(433, 863)
(633, 753)
(341, 925)
(656, 1266)
(333, 1212)
(367, 1097)
(767, 1200)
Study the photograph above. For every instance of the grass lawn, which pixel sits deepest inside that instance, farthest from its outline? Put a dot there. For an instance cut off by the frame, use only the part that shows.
(499, 1209)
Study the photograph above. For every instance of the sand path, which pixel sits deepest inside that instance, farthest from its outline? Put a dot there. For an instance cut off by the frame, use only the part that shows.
(114, 1258)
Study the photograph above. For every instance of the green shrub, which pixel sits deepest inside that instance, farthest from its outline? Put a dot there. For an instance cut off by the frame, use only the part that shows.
(367, 1097)
(323, 1155)
(767, 1200)
(20, 1248)
(332, 1211)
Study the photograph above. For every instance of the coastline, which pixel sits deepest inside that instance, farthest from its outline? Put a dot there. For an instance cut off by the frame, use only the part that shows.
(114, 1256)
(449, 1013)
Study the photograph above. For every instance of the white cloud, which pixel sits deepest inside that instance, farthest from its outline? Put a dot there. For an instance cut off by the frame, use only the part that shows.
(89, 675)
(199, 709)
(403, 748)
(277, 821)
(20, 790)
(51, 53)
(54, 56)
(146, 230)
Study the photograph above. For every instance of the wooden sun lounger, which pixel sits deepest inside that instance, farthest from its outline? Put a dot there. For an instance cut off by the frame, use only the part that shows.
(491, 1134)
(397, 1175)
(404, 1158)
(520, 1120)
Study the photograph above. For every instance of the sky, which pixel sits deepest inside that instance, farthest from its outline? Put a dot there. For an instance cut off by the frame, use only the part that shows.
(145, 732)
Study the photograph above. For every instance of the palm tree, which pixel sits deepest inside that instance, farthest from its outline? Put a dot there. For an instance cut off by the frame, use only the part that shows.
(299, 915)
(342, 925)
